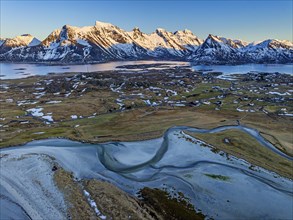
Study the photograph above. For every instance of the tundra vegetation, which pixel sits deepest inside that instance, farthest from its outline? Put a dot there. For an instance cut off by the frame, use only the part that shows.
(125, 105)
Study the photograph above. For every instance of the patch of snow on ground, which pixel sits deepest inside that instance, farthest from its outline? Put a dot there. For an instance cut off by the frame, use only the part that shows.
(172, 91)
(74, 116)
(148, 102)
(48, 118)
(179, 104)
(53, 102)
(40, 88)
(37, 112)
(39, 94)
(94, 205)
(25, 102)
(118, 89)
(278, 93)
(287, 114)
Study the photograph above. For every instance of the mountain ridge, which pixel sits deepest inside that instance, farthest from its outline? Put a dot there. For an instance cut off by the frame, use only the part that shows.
(107, 42)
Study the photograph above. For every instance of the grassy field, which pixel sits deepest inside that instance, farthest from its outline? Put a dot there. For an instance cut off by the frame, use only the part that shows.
(139, 124)
(112, 106)
(78, 206)
(241, 145)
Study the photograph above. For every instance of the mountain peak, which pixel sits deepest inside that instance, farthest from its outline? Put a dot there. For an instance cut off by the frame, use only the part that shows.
(212, 39)
(67, 26)
(185, 31)
(101, 24)
(136, 29)
(21, 40)
(34, 42)
(274, 43)
(160, 30)
(26, 35)
(105, 41)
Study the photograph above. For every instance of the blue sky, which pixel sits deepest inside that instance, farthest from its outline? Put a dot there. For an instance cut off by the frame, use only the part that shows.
(247, 20)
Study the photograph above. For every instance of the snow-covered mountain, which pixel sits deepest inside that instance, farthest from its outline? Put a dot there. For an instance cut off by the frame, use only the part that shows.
(21, 41)
(269, 51)
(219, 50)
(216, 49)
(105, 42)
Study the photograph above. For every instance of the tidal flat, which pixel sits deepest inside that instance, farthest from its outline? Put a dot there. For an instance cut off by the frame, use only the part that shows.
(165, 177)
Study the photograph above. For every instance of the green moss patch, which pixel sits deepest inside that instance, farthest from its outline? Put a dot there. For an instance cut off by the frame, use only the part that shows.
(242, 145)
(218, 177)
(169, 207)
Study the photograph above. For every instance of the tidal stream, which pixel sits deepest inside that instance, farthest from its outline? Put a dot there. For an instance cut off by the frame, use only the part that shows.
(172, 162)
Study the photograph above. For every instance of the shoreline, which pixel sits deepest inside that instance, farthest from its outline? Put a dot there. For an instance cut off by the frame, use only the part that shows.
(188, 131)
(57, 63)
(54, 63)
(155, 136)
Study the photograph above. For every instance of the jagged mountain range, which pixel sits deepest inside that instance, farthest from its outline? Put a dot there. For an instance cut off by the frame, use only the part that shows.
(107, 42)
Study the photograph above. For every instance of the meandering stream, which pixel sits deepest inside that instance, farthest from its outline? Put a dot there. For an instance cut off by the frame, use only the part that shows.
(172, 161)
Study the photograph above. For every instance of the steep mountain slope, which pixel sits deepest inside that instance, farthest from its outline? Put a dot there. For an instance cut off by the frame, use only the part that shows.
(20, 41)
(188, 39)
(106, 42)
(269, 51)
(219, 50)
(216, 49)
(25, 40)
(2, 41)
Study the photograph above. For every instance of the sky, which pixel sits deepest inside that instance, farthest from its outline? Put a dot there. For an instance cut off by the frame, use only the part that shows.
(251, 20)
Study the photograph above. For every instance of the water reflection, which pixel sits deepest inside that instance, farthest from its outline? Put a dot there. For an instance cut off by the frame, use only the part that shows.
(22, 70)
(245, 68)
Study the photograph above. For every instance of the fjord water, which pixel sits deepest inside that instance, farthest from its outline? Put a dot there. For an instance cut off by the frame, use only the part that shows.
(174, 160)
(22, 70)
(245, 68)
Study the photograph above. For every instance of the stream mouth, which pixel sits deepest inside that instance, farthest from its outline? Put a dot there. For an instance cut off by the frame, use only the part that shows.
(221, 187)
